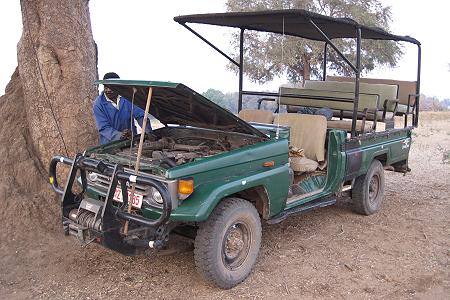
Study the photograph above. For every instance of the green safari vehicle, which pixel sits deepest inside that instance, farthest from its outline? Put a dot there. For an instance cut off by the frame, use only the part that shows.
(212, 176)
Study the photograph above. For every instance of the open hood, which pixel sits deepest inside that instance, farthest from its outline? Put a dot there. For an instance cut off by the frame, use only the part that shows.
(175, 103)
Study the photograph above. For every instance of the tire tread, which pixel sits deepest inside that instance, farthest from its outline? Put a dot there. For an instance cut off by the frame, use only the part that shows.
(203, 243)
(360, 187)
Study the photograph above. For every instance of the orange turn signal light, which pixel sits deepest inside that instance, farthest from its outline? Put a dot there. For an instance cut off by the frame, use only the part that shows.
(185, 186)
(269, 164)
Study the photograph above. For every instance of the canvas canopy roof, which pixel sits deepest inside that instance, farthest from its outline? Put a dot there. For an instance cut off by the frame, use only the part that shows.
(296, 23)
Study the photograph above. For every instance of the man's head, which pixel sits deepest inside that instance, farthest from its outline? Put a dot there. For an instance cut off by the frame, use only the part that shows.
(107, 90)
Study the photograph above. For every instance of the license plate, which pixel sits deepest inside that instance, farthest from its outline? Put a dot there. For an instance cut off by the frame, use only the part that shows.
(137, 199)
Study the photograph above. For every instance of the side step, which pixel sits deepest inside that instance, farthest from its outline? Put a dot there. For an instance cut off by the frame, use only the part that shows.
(301, 208)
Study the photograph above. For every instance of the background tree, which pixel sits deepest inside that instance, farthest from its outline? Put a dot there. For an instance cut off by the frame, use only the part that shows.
(433, 104)
(302, 58)
(47, 107)
(215, 96)
(229, 100)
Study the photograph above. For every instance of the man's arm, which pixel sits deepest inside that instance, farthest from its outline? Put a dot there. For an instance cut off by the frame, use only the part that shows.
(104, 127)
(138, 114)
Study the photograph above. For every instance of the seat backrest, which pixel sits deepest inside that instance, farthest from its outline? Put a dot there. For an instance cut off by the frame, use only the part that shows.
(321, 98)
(405, 88)
(384, 91)
(307, 132)
(256, 115)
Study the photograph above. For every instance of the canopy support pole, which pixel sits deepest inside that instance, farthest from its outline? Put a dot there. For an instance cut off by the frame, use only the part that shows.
(357, 76)
(355, 69)
(138, 158)
(419, 65)
(241, 68)
(325, 58)
(327, 39)
(210, 44)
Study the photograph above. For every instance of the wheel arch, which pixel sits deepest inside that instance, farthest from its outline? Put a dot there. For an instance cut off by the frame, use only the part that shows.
(258, 196)
(383, 158)
(266, 190)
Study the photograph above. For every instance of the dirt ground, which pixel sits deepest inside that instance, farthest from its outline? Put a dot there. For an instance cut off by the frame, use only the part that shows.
(401, 252)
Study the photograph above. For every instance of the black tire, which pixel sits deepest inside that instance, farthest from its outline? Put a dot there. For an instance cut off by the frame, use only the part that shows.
(368, 190)
(220, 260)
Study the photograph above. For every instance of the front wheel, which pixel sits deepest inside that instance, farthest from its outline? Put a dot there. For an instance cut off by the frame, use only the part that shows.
(368, 190)
(227, 244)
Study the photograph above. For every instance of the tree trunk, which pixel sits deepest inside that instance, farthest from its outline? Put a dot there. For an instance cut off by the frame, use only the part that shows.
(47, 108)
(306, 68)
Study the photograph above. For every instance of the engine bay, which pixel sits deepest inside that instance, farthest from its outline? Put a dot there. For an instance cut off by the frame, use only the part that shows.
(173, 146)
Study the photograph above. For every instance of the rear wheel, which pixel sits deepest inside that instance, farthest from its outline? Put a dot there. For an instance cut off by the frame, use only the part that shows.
(227, 244)
(368, 190)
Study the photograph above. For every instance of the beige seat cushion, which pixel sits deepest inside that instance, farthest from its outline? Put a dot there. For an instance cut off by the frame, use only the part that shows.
(303, 164)
(256, 115)
(307, 132)
(347, 125)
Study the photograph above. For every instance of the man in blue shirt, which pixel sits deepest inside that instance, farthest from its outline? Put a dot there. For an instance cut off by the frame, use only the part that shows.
(113, 115)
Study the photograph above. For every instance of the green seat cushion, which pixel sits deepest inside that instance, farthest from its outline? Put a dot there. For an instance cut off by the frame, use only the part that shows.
(405, 88)
(347, 125)
(402, 108)
(370, 115)
(306, 97)
(384, 91)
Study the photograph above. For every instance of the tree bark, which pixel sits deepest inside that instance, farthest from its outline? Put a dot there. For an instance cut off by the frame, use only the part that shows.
(47, 107)
(306, 68)
(57, 66)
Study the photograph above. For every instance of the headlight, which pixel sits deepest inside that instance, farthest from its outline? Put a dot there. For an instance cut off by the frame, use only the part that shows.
(156, 195)
(153, 198)
(92, 176)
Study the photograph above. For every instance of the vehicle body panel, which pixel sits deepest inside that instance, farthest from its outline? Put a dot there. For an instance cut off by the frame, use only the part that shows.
(222, 175)
(389, 147)
(225, 174)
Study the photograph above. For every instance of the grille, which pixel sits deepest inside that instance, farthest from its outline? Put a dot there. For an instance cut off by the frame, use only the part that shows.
(102, 183)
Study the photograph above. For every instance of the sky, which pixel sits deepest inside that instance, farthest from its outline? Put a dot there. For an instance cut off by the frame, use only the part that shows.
(140, 40)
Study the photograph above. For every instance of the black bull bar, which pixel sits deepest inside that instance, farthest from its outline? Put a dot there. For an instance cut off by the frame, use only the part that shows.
(82, 164)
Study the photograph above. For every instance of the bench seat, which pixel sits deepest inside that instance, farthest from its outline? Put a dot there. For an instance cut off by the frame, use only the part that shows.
(347, 125)
(403, 109)
(323, 98)
(370, 115)
(406, 90)
(384, 91)
(377, 102)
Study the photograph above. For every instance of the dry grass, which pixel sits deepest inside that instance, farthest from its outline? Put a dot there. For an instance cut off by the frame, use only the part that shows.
(426, 116)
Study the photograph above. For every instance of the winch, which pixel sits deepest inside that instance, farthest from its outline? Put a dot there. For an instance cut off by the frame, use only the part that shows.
(87, 217)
